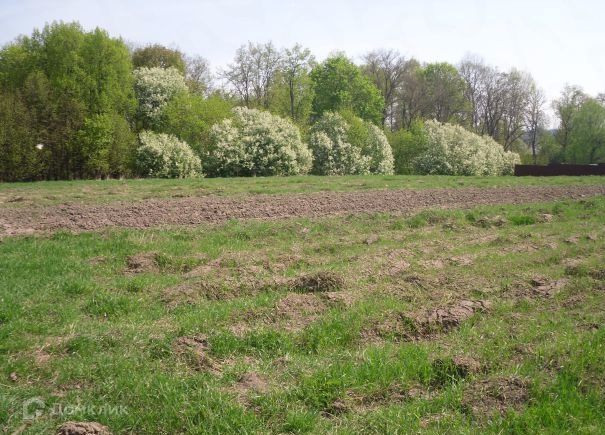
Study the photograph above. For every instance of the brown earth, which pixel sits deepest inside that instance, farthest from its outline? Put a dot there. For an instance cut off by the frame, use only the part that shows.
(194, 350)
(83, 428)
(141, 263)
(490, 396)
(425, 324)
(192, 211)
(448, 317)
(317, 282)
(292, 313)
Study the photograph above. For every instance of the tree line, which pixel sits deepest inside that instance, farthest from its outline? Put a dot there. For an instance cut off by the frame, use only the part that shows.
(82, 104)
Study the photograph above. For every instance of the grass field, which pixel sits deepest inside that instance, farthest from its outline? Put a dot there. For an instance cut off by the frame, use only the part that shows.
(91, 192)
(487, 320)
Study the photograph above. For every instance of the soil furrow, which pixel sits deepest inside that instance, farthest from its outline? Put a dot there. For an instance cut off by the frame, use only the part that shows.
(198, 210)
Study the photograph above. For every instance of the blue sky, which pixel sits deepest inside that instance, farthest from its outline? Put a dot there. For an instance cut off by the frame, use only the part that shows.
(558, 42)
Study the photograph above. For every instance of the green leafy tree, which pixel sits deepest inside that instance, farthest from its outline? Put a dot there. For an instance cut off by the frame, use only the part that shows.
(587, 137)
(549, 150)
(340, 85)
(566, 106)
(64, 76)
(293, 89)
(444, 92)
(107, 143)
(407, 144)
(190, 118)
(159, 56)
(20, 160)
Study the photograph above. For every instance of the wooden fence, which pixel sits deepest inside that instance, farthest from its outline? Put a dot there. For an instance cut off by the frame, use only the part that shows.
(558, 169)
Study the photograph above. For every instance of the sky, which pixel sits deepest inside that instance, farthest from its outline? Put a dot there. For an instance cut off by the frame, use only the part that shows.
(558, 42)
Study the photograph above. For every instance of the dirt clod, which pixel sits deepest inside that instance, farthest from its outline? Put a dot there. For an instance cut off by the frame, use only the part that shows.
(190, 293)
(371, 239)
(252, 382)
(543, 287)
(317, 282)
(449, 317)
(467, 364)
(142, 263)
(295, 311)
(83, 428)
(598, 274)
(545, 217)
(338, 407)
(490, 221)
(573, 240)
(195, 350)
(490, 396)
(414, 326)
(343, 298)
(461, 260)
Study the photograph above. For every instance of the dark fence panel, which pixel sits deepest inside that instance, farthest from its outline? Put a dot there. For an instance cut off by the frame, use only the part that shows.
(559, 169)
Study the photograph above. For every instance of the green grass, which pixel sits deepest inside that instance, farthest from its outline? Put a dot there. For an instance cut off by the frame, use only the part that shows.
(76, 329)
(58, 192)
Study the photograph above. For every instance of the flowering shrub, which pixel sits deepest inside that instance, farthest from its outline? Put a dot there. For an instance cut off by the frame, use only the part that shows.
(340, 148)
(453, 150)
(164, 156)
(154, 88)
(379, 150)
(256, 143)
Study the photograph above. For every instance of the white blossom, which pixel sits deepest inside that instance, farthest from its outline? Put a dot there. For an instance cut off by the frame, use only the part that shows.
(334, 153)
(155, 87)
(257, 143)
(164, 156)
(453, 150)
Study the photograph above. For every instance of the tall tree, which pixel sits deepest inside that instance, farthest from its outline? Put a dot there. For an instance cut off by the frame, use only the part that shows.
(517, 88)
(252, 73)
(158, 56)
(565, 107)
(198, 75)
(474, 72)
(410, 97)
(535, 118)
(340, 85)
(444, 92)
(386, 68)
(295, 66)
(587, 137)
(65, 76)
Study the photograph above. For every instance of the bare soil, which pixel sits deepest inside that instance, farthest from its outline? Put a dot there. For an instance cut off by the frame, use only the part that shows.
(194, 350)
(83, 428)
(141, 263)
(193, 211)
(490, 396)
(317, 282)
(425, 324)
(448, 317)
